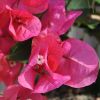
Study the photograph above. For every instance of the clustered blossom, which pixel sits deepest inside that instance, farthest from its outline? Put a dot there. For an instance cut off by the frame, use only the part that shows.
(52, 62)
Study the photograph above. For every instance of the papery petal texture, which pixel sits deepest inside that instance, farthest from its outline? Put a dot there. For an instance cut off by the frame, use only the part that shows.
(39, 75)
(32, 6)
(36, 6)
(68, 62)
(6, 43)
(9, 70)
(23, 25)
(55, 3)
(81, 64)
(15, 92)
(57, 20)
(45, 83)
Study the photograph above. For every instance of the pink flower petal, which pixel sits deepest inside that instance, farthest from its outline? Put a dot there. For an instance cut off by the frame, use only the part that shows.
(36, 6)
(6, 44)
(8, 2)
(2, 5)
(15, 92)
(11, 92)
(56, 3)
(57, 20)
(1, 98)
(27, 78)
(9, 70)
(45, 83)
(23, 25)
(48, 83)
(71, 16)
(4, 17)
(50, 49)
(81, 64)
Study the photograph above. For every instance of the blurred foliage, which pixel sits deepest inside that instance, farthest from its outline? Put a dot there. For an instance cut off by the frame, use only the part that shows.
(80, 4)
(21, 51)
(90, 12)
(98, 1)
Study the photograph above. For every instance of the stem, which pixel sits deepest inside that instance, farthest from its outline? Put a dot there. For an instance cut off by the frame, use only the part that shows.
(68, 3)
(95, 17)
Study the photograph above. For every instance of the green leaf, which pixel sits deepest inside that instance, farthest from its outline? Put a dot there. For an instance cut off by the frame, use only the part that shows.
(79, 4)
(21, 51)
(98, 1)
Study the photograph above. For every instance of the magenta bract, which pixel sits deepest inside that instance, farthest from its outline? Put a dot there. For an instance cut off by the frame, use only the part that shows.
(54, 63)
(15, 92)
(45, 57)
(9, 70)
(57, 20)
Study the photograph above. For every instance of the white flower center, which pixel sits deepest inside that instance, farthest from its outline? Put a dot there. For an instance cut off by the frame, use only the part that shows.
(40, 60)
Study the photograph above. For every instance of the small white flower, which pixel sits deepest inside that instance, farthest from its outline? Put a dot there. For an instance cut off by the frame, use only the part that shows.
(40, 59)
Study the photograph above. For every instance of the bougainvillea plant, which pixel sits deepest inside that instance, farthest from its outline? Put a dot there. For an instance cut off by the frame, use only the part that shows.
(52, 62)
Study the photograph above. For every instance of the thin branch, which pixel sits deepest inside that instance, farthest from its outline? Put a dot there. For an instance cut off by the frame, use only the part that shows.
(95, 17)
(68, 2)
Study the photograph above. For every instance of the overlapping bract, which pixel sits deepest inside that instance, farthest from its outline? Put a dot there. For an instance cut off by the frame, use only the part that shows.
(15, 92)
(57, 20)
(9, 70)
(52, 62)
(45, 57)
(56, 63)
(21, 25)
